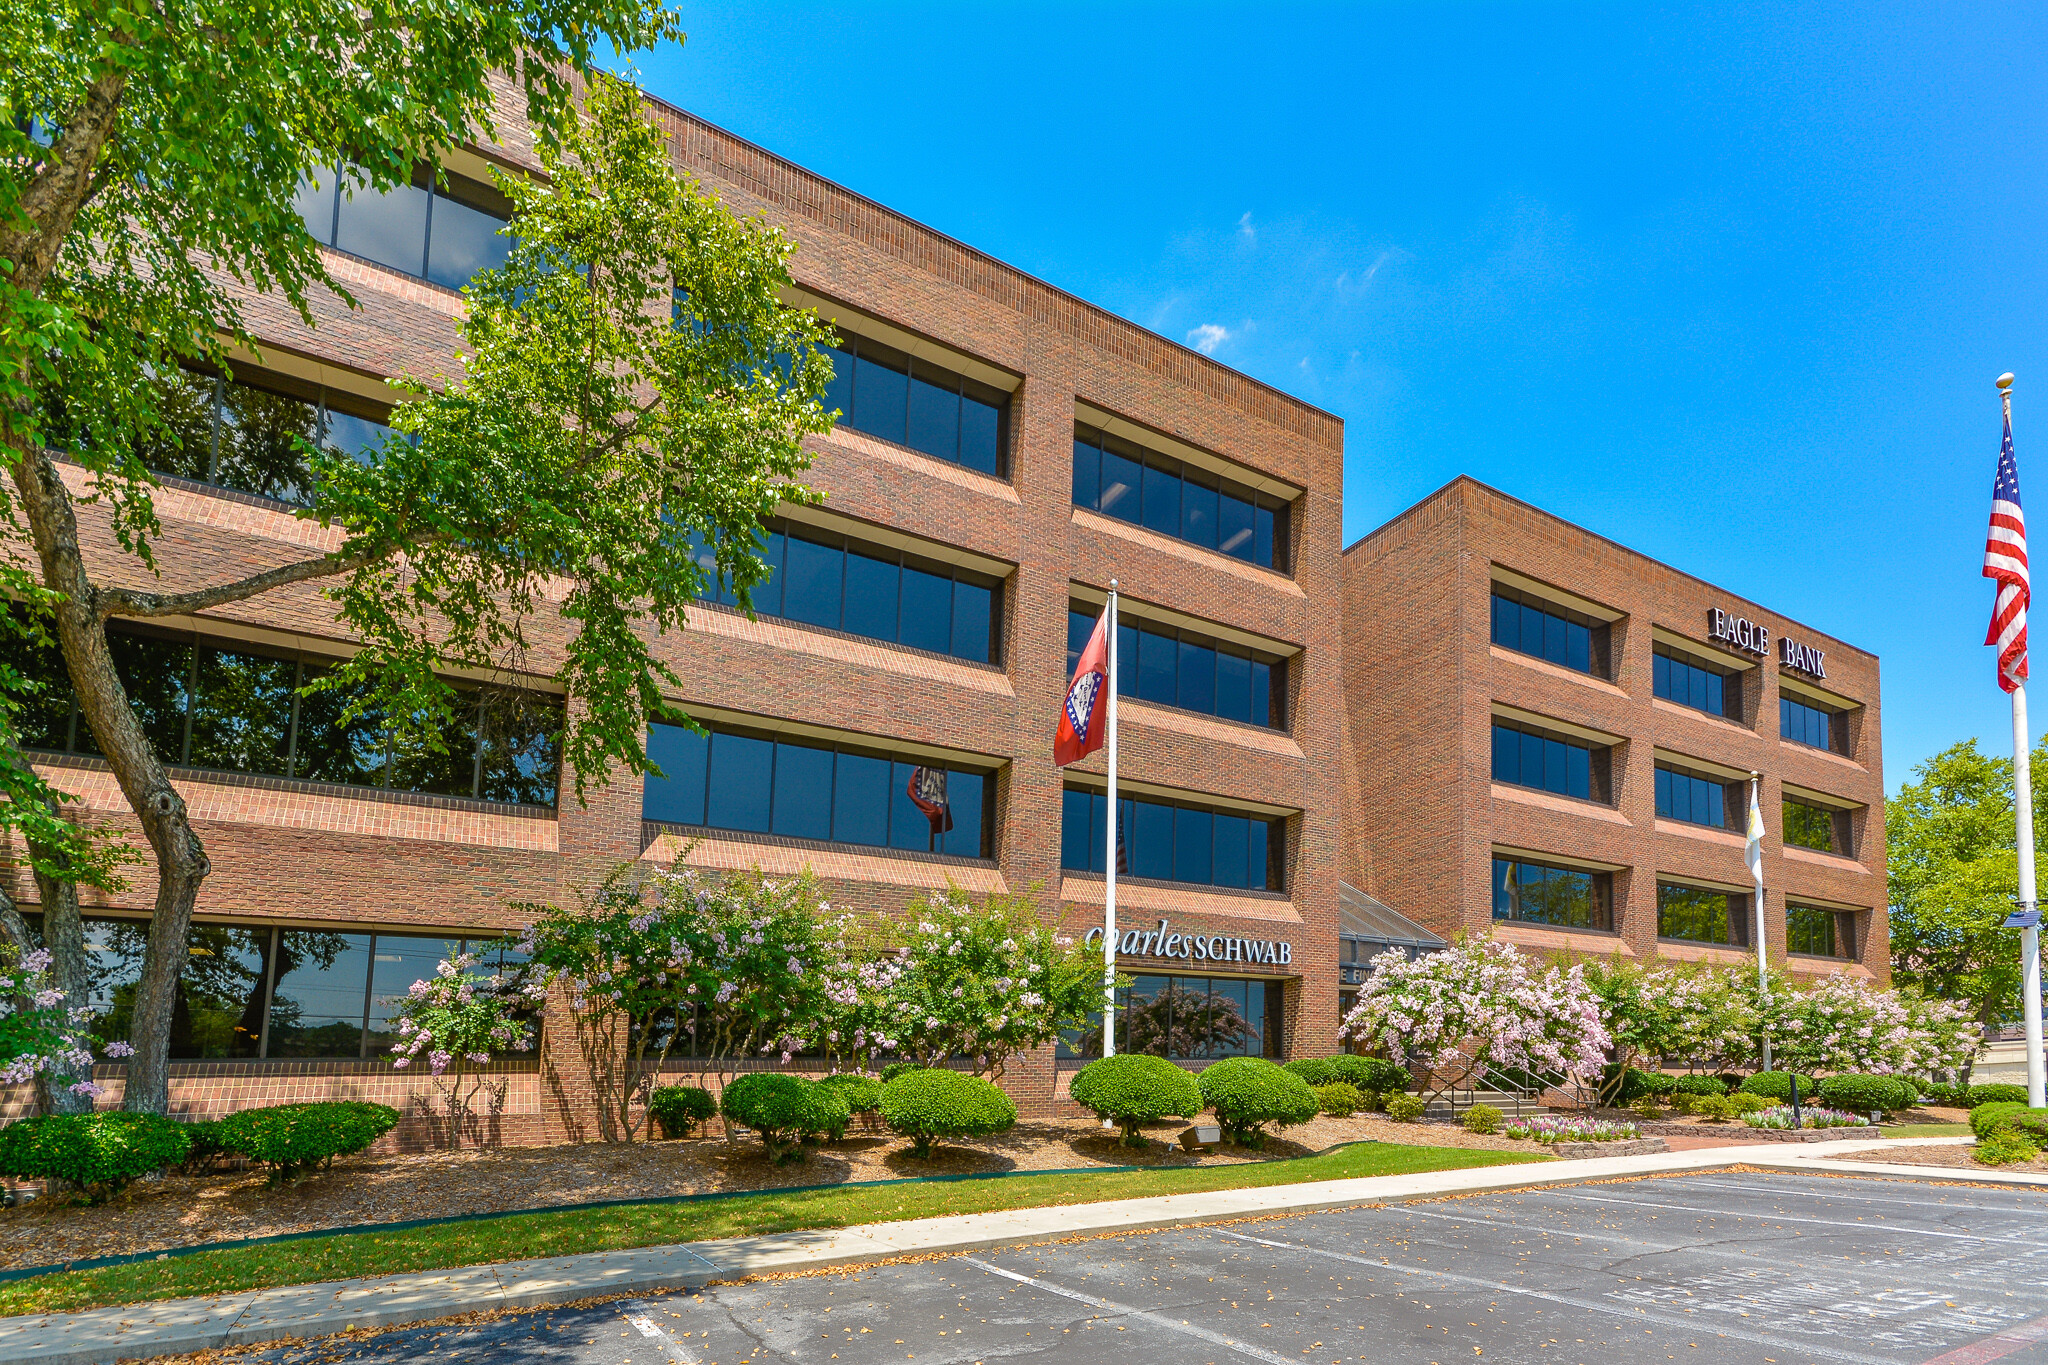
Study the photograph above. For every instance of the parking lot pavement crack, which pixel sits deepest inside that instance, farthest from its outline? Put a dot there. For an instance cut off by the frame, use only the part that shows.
(1143, 1315)
(1675, 1320)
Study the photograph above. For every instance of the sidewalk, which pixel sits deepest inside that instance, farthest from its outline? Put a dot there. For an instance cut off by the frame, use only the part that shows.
(182, 1325)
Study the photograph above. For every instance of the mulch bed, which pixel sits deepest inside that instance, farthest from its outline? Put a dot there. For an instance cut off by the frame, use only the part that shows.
(186, 1210)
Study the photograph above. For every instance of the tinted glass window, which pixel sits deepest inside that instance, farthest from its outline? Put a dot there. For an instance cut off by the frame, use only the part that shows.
(813, 791)
(435, 234)
(1690, 684)
(884, 393)
(242, 712)
(221, 992)
(396, 961)
(1813, 932)
(1180, 668)
(388, 227)
(323, 986)
(1529, 626)
(927, 610)
(1546, 762)
(1164, 495)
(250, 437)
(464, 242)
(1540, 894)
(1803, 724)
(1810, 826)
(871, 591)
(1187, 1018)
(1695, 800)
(1187, 843)
(1686, 912)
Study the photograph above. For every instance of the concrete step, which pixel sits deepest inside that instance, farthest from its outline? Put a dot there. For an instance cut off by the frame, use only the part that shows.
(1510, 1106)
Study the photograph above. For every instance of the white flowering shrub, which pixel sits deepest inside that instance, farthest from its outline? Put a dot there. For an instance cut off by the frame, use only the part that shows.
(1844, 1023)
(457, 1022)
(1477, 1005)
(41, 1031)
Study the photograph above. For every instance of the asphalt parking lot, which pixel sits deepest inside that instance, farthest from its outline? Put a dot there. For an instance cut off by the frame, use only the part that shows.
(1717, 1267)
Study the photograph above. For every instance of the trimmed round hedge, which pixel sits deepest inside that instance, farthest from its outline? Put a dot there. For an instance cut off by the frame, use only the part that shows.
(96, 1154)
(1134, 1088)
(2005, 1116)
(294, 1139)
(1482, 1118)
(933, 1103)
(1315, 1071)
(1861, 1093)
(1338, 1099)
(1405, 1108)
(680, 1108)
(1370, 1074)
(863, 1095)
(1777, 1085)
(783, 1109)
(1247, 1093)
(1995, 1092)
(1698, 1085)
(898, 1068)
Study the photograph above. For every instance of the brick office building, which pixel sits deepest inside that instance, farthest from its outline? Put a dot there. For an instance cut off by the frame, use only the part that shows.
(1006, 450)
(1551, 736)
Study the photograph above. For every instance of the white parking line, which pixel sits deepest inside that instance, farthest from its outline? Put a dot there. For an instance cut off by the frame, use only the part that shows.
(1865, 1228)
(640, 1318)
(1673, 1320)
(1833, 1194)
(1185, 1328)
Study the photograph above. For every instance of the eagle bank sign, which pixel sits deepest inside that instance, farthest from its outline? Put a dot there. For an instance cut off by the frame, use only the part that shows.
(1739, 632)
(1161, 942)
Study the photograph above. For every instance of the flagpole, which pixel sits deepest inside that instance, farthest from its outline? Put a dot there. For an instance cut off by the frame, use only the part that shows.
(2023, 817)
(1763, 960)
(1109, 858)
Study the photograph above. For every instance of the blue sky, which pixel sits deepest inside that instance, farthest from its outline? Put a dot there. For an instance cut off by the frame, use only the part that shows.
(1729, 285)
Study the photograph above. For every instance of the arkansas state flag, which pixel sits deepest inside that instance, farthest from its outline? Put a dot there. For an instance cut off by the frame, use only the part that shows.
(1082, 720)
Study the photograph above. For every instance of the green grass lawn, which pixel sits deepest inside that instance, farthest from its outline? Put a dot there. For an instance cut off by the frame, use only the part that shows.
(519, 1236)
(1905, 1130)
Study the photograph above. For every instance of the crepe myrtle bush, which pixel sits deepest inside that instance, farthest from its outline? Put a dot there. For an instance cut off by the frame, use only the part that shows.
(42, 1032)
(1132, 1089)
(1247, 1093)
(783, 1109)
(678, 1109)
(294, 1140)
(458, 1021)
(95, 1154)
(931, 1103)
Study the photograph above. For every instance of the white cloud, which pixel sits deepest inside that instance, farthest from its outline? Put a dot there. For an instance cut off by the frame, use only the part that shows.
(1208, 337)
(1245, 228)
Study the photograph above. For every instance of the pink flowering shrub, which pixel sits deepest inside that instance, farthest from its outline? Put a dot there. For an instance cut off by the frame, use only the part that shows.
(457, 1021)
(40, 1031)
(1844, 1023)
(1479, 1004)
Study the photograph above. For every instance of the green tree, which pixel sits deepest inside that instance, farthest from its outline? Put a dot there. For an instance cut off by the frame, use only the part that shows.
(149, 159)
(1952, 871)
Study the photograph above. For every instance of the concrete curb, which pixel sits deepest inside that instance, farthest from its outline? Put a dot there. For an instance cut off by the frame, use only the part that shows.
(255, 1316)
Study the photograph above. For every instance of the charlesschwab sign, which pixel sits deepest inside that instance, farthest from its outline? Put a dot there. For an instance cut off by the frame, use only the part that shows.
(1164, 942)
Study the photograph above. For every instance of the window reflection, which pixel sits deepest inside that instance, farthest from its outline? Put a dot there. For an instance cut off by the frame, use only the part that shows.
(446, 230)
(1180, 668)
(911, 402)
(1187, 1018)
(1537, 893)
(1701, 916)
(1167, 495)
(1181, 842)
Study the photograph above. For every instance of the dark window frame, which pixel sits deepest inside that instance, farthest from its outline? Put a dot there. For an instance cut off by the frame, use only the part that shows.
(1599, 761)
(1271, 517)
(1081, 619)
(1130, 822)
(858, 350)
(1837, 821)
(1737, 913)
(1794, 725)
(1839, 926)
(1599, 887)
(1669, 774)
(1733, 682)
(442, 184)
(1577, 630)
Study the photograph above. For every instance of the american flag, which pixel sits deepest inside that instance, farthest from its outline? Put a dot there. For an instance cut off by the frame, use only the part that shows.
(2005, 559)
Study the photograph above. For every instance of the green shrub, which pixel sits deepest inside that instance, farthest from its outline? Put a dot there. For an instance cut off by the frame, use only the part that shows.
(1996, 1092)
(1860, 1093)
(96, 1154)
(1636, 1083)
(680, 1108)
(1247, 1093)
(1698, 1085)
(205, 1152)
(895, 1069)
(863, 1095)
(1715, 1108)
(2006, 1116)
(1406, 1108)
(1370, 1073)
(1373, 1101)
(1647, 1107)
(295, 1139)
(1749, 1102)
(1313, 1070)
(1339, 1099)
(923, 1105)
(1133, 1089)
(1682, 1103)
(1482, 1118)
(1777, 1085)
(2004, 1147)
(783, 1109)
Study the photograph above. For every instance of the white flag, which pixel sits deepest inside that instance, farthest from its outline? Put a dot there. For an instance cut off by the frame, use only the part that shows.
(1753, 851)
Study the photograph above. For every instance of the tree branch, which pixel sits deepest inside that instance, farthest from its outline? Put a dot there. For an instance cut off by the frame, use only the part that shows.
(128, 602)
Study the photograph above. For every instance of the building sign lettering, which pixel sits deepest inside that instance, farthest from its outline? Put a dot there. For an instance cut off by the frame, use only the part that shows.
(1738, 632)
(1804, 658)
(1215, 948)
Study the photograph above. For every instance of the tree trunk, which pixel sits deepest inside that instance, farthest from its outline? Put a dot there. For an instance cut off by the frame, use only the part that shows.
(180, 857)
(70, 972)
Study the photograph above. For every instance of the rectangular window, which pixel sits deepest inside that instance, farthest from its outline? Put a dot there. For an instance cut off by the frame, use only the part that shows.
(823, 578)
(1555, 634)
(1814, 932)
(1178, 499)
(1695, 800)
(445, 230)
(1188, 1018)
(1805, 724)
(1537, 893)
(252, 434)
(1182, 668)
(1694, 683)
(1815, 827)
(1525, 757)
(1178, 841)
(240, 710)
(1699, 916)
(727, 779)
(912, 402)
